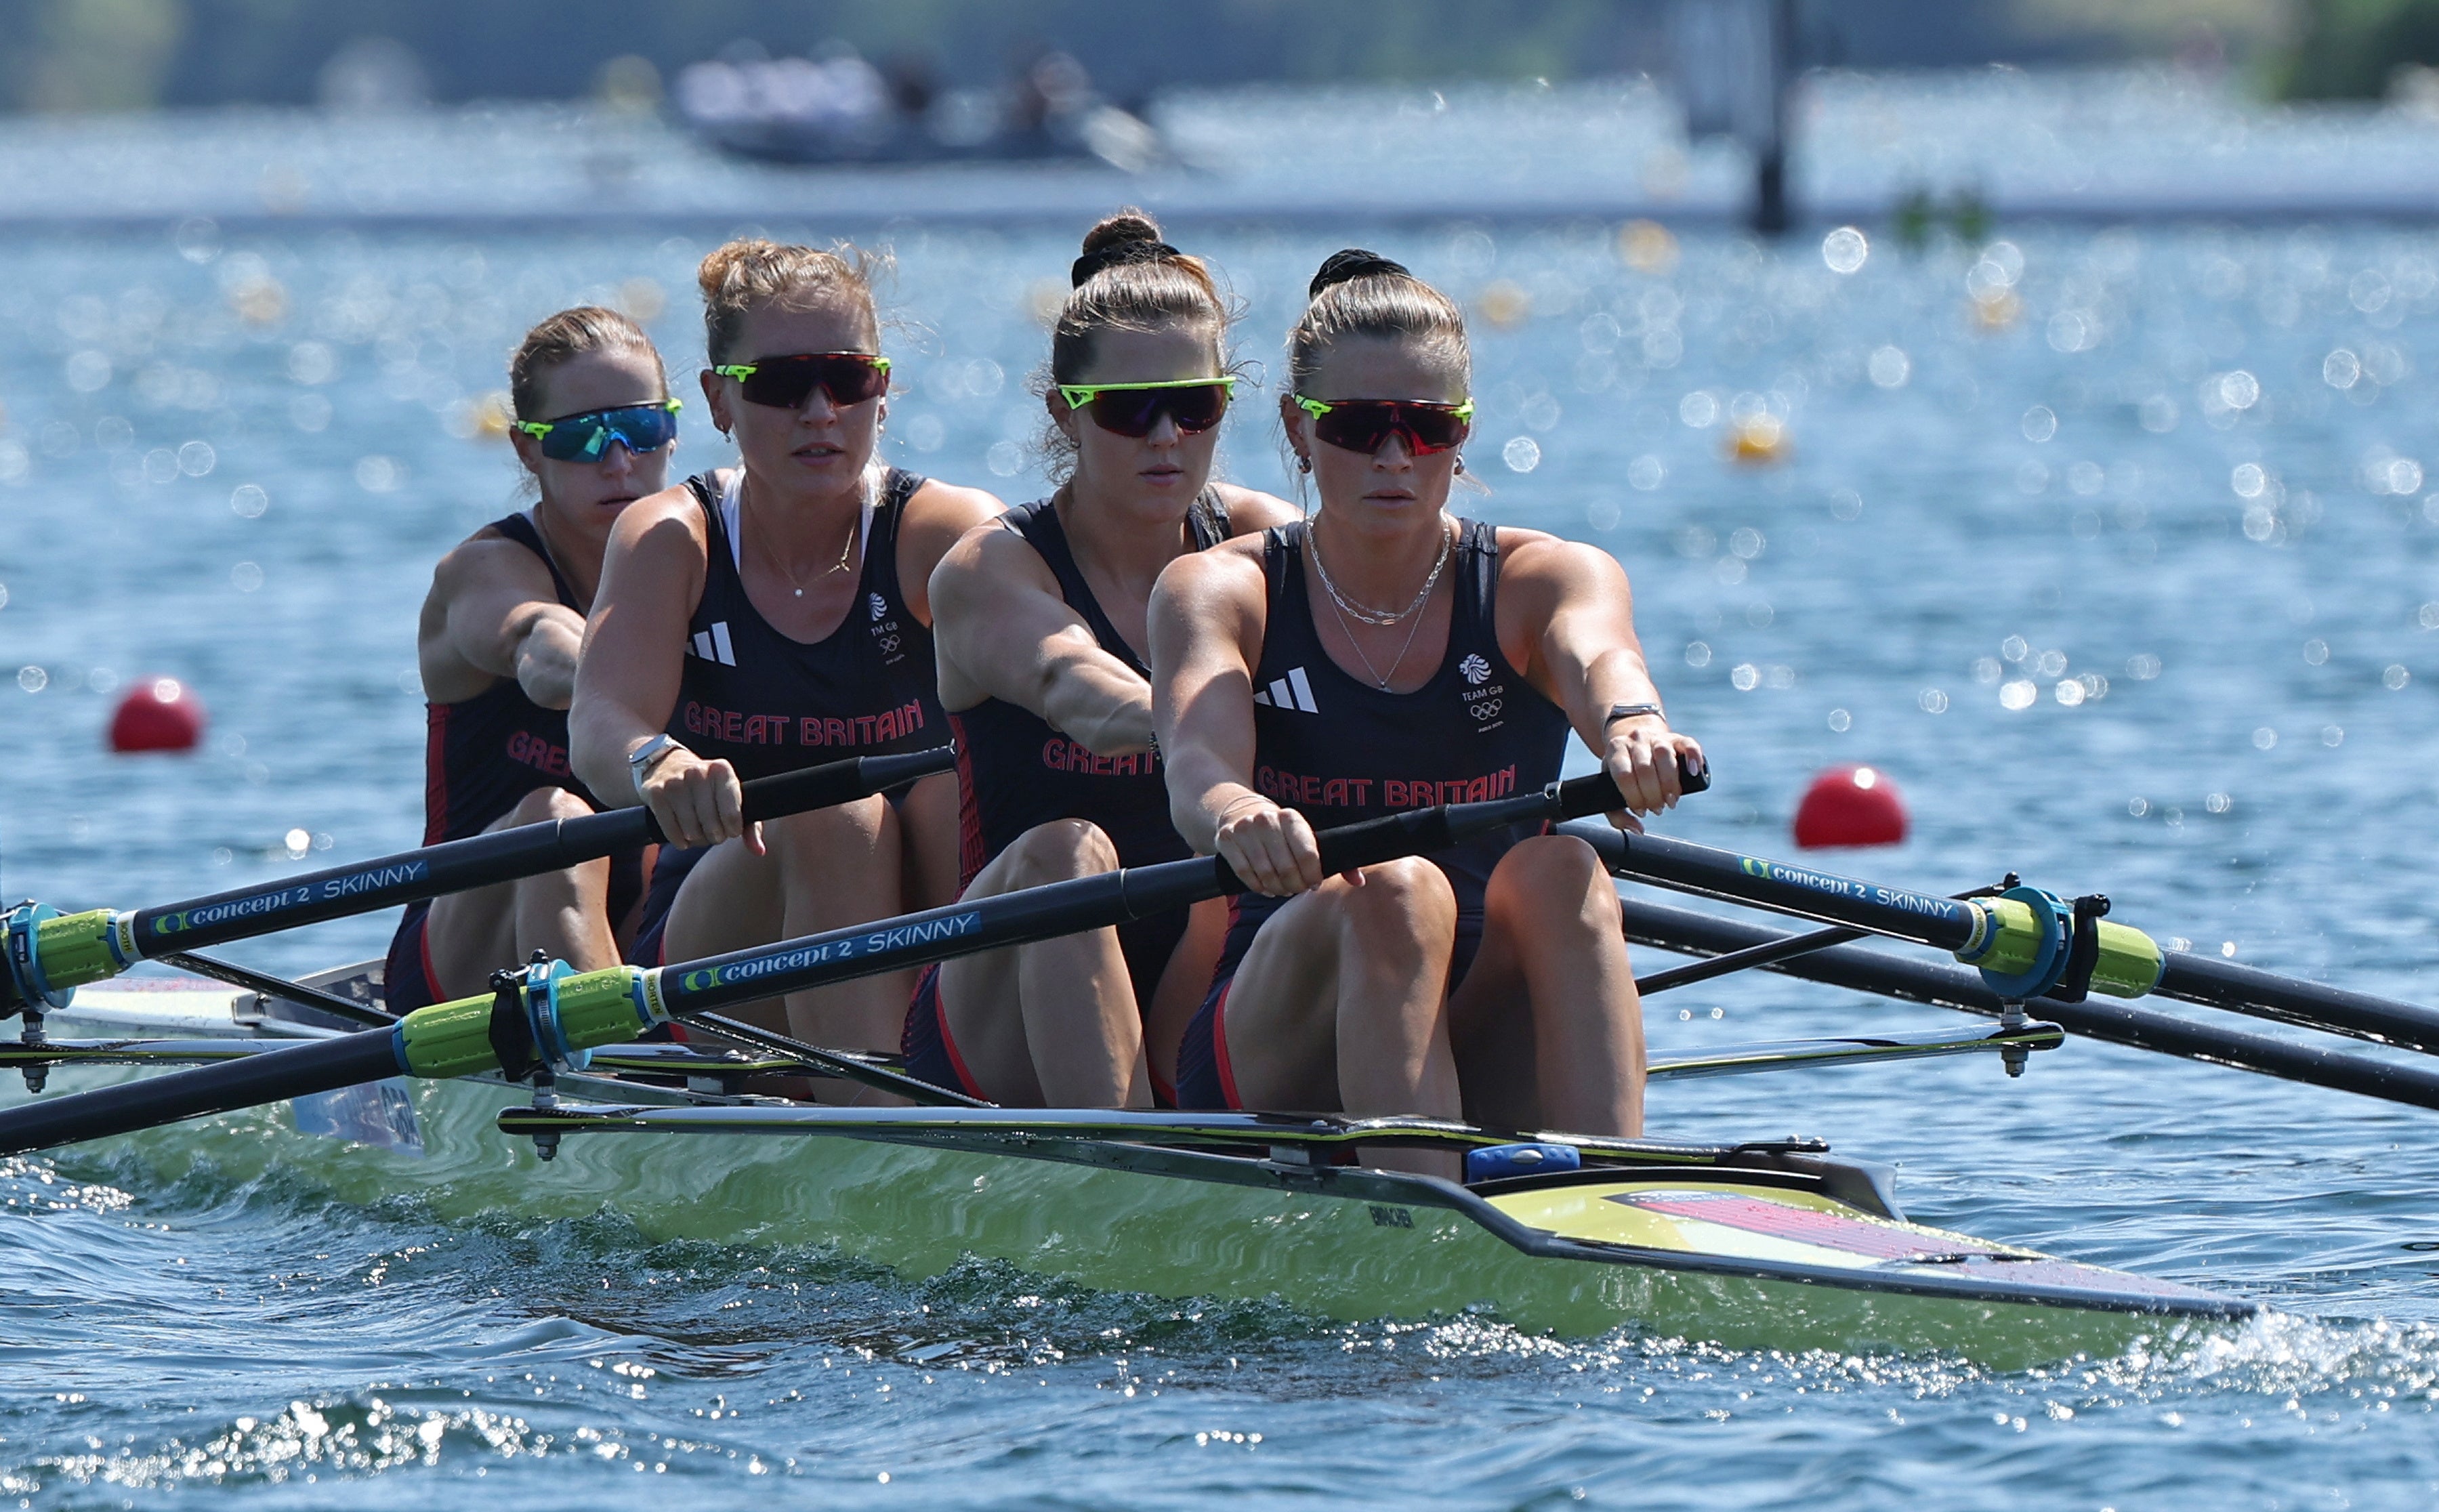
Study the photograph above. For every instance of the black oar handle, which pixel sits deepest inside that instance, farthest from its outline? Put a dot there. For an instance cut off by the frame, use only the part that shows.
(1421, 831)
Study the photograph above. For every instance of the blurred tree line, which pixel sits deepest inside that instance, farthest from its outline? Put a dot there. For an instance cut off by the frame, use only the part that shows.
(134, 54)
(123, 54)
(2353, 49)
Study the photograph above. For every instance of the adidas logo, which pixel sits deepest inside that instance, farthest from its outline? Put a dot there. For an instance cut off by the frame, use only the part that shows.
(712, 645)
(1290, 692)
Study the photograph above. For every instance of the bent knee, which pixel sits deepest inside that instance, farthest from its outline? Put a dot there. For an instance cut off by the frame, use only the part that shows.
(815, 830)
(1554, 876)
(1060, 849)
(1407, 893)
(543, 805)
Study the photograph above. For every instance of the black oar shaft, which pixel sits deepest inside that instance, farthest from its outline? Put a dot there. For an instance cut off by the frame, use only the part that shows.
(1947, 924)
(1863, 970)
(1797, 891)
(321, 1065)
(479, 860)
(2220, 984)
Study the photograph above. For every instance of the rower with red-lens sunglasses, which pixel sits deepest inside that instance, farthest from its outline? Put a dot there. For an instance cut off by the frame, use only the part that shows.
(786, 383)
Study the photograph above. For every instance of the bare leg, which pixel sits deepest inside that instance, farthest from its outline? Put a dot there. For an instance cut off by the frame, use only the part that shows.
(1342, 1003)
(1548, 1029)
(1053, 1024)
(824, 870)
(1183, 984)
(928, 821)
(564, 914)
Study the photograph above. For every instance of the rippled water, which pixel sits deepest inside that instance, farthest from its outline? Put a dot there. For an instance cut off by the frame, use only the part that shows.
(2121, 574)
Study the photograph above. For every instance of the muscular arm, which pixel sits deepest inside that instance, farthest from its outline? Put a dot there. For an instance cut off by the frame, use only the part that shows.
(635, 645)
(1004, 630)
(1206, 621)
(1570, 606)
(937, 517)
(493, 612)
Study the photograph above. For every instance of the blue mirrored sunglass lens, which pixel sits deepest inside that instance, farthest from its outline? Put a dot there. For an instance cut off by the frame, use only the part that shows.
(586, 437)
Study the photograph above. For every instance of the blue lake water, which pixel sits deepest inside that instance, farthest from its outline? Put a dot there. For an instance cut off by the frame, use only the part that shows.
(2126, 572)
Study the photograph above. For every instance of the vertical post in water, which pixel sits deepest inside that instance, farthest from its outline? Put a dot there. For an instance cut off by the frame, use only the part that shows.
(1770, 213)
(1733, 60)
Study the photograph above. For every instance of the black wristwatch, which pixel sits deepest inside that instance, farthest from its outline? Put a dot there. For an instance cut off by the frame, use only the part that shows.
(1631, 711)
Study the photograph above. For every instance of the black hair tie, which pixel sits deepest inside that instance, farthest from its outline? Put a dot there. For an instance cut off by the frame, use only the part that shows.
(1351, 263)
(1117, 255)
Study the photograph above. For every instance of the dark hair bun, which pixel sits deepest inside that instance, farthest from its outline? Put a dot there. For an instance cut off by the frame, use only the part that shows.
(1127, 237)
(1349, 264)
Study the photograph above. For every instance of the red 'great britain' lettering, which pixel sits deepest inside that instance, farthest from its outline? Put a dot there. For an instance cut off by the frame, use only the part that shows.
(736, 727)
(1306, 791)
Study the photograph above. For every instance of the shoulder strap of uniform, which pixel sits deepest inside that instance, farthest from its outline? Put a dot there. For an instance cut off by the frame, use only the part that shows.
(520, 528)
(1282, 563)
(1479, 569)
(881, 534)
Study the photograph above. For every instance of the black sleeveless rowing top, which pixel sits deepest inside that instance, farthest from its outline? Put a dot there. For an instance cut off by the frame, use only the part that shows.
(1341, 751)
(766, 703)
(1015, 772)
(484, 754)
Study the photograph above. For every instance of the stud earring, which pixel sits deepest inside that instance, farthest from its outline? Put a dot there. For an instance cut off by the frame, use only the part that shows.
(1304, 463)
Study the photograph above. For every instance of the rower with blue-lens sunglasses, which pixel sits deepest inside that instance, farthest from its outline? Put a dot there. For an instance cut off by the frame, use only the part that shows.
(586, 437)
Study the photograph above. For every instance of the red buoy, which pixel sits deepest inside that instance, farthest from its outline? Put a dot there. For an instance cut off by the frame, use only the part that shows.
(157, 713)
(1850, 806)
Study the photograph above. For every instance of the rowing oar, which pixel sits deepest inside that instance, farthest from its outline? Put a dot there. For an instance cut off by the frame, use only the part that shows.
(50, 954)
(2027, 943)
(1689, 932)
(548, 1018)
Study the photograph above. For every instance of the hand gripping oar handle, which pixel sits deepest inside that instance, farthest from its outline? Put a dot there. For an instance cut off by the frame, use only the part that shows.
(565, 1014)
(50, 954)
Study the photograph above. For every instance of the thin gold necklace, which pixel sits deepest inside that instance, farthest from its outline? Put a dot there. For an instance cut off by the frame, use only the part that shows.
(854, 529)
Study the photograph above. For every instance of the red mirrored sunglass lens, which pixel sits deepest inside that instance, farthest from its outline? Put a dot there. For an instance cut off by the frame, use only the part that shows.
(1134, 411)
(786, 383)
(1362, 425)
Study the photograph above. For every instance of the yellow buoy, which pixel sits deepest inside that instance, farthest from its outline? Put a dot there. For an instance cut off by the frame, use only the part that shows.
(1646, 246)
(1996, 309)
(1757, 440)
(1505, 303)
(259, 301)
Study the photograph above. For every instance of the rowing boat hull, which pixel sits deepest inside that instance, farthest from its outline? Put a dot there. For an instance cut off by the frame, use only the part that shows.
(1708, 1255)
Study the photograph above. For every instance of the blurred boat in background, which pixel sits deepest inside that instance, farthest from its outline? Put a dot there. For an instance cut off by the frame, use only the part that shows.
(840, 107)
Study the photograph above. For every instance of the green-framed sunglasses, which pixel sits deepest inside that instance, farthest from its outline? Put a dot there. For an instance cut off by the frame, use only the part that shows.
(1133, 409)
(786, 383)
(1363, 424)
(586, 437)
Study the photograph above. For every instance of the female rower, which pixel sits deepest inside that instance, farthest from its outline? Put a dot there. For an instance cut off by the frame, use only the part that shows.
(1039, 618)
(1388, 655)
(497, 647)
(770, 616)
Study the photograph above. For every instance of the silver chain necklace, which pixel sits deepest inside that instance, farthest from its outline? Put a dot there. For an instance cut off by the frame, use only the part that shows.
(1379, 617)
(1338, 601)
